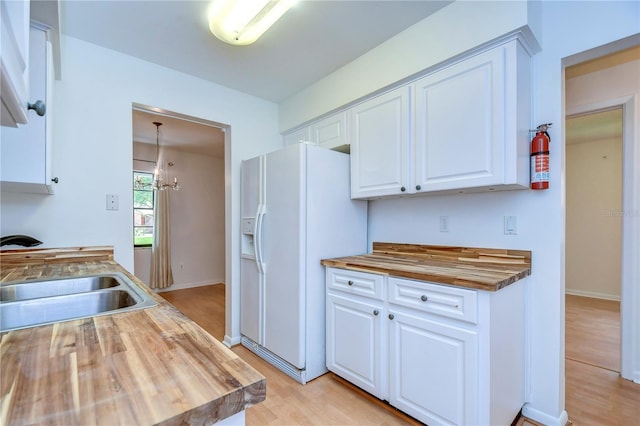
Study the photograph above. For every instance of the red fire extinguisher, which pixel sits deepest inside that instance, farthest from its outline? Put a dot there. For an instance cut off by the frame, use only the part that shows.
(540, 157)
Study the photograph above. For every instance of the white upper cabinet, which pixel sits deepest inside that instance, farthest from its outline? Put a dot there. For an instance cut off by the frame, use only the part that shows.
(380, 136)
(330, 132)
(466, 129)
(297, 136)
(26, 150)
(14, 62)
(471, 123)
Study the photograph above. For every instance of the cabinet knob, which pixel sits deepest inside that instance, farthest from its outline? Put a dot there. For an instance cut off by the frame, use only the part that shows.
(418, 187)
(376, 312)
(403, 189)
(391, 316)
(39, 107)
(424, 298)
(350, 282)
(55, 179)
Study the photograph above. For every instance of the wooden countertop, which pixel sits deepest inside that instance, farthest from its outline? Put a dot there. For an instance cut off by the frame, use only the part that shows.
(148, 366)
(477, 268)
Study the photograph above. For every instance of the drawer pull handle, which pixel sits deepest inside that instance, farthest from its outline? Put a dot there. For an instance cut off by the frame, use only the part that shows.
(376, 312)
(391, 316)
(350, 282)
(424, 298)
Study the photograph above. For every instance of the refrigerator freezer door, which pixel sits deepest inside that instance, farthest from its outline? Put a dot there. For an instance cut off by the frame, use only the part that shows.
(250, 295)
(251, 280)
(283, 255)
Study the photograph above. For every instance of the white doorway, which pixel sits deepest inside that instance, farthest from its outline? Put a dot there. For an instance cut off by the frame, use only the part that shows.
(594, 238)
(607, 85)
(194, 150)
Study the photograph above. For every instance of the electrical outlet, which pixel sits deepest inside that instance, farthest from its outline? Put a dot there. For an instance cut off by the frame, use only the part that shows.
(444, 223)
(510, 225)
(112, 202)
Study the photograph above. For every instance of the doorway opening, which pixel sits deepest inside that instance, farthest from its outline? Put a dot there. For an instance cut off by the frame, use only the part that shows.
(601, 84)
(194, 150)
(594, 237)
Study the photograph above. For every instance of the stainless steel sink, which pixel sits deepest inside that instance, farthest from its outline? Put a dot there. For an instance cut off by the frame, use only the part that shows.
(57, 287)
(33, 303)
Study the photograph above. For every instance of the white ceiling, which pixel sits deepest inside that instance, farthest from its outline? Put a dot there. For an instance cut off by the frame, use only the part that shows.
(177, 133)
(311, 40)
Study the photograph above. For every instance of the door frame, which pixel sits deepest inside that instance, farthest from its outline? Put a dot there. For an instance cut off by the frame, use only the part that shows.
(630, 286)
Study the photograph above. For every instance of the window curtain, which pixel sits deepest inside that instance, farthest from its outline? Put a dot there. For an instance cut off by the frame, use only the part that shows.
(161, 274)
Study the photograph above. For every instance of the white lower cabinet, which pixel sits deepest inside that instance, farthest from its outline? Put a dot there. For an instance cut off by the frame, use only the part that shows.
(432, 370)
(354, 349)
(444, 355)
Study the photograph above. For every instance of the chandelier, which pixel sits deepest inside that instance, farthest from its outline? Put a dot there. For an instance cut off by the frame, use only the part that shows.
(158, 173)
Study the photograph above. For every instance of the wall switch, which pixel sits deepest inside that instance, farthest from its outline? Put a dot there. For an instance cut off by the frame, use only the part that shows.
(510, 225)
(112, 202)
(444, 223)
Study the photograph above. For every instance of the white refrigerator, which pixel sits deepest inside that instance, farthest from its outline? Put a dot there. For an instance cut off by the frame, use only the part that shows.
(296, 210)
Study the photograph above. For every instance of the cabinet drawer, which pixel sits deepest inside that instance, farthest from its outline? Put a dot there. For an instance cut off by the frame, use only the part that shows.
(442, 300)
(362, 283)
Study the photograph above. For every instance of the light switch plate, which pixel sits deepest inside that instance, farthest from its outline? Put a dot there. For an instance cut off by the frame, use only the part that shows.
(112, 202)
(510, 225)
(444, 223)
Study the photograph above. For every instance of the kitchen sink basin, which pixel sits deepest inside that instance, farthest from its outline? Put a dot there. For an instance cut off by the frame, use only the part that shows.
(33, 303)
(57, 287)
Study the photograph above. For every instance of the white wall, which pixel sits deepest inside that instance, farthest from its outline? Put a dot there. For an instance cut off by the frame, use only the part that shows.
(454, 29)
(93, 151)
(594, 218)
(567, 28)
(197, 219)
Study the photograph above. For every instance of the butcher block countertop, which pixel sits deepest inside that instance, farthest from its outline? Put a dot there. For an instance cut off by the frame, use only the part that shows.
(477, 268)
(141, 367)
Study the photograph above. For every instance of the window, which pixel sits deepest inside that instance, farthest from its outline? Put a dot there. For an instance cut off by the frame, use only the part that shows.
(142, 209)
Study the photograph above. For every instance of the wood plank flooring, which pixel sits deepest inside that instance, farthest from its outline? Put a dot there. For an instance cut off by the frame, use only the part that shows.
(594, 395)
(592, 329)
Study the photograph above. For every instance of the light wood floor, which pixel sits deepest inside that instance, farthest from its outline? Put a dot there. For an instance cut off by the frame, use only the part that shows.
(594, 395)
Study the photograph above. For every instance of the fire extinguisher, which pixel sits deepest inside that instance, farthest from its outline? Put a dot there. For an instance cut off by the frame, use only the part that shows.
(540, 157)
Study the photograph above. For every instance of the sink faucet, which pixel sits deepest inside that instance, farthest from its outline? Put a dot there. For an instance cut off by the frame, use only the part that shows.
(19, 240)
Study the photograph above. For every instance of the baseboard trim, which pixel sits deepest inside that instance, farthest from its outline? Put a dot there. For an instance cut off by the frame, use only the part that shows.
(544, 418)
(592, 294)
(230, 341)
(185, 286)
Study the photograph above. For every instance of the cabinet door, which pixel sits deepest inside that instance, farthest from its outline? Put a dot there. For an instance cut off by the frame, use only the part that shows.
(355, 342)
(297, 136)
(26, 150)
(330, 132)
(460, 124)
(14, 66)
(433, 373)
(380, 145)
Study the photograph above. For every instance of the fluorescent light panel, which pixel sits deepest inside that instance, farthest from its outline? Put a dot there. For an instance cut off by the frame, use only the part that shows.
(241, 22)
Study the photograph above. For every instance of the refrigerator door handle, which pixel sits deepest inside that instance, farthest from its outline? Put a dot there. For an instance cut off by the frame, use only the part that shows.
(258, 237)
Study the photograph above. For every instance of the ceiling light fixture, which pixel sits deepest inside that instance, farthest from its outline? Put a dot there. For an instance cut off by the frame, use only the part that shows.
(158, 172)
(241, 22)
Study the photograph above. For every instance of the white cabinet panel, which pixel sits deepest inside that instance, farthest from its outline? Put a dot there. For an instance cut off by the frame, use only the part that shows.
(14, 63)
(26, 150)
(360, 283)
(450, 302)
(355, 342)
(433, 370)
(380, 145)
(330, 132)
(472, 121)
(297, 136)
(460, 116)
